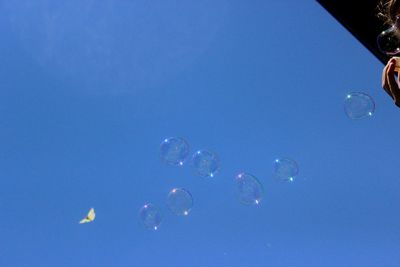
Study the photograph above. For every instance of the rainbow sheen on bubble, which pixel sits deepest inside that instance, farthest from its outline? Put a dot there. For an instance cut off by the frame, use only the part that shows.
(150, 216)
(206, 163)
(359, 105)
(174, 150)
(285, 169)
(249, 189)
(180, 201)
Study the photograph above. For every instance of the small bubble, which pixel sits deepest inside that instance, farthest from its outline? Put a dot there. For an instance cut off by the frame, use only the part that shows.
(180, 201)
(389, 40)
(150, 216)
(249, 189)
(174, 151)
(285, 169)
(206, 163)
(359, 105)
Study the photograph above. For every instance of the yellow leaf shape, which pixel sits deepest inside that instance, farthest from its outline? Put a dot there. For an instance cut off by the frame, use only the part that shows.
(90, 217)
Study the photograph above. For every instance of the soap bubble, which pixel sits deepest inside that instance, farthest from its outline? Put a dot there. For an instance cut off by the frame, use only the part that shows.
(249, 189)
(180, 201)
(359, 105)
(389, 40)
(285, 169)
(206, 163)
(150, 216)
(174, 150)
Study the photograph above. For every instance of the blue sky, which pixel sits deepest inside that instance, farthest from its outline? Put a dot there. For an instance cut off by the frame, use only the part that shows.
(89, 89)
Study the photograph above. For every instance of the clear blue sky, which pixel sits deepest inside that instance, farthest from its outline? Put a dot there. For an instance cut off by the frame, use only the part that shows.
(89, 89)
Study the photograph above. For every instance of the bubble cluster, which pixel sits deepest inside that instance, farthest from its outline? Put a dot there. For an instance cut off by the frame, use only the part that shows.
(180, 201)
(150, 216)
(285, 169)
(249, 189)
(206, 163)
(359, 105)
(174, 150)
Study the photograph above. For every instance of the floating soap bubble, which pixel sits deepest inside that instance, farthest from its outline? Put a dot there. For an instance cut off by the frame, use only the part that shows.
(150, 216)
(206, 163)
(250, 191)
(180, 201)
(286, 169)
(389, 40)
(359, 105)
(174, 150)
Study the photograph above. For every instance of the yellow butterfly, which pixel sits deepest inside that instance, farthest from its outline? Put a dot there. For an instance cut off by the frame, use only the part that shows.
(90, 217)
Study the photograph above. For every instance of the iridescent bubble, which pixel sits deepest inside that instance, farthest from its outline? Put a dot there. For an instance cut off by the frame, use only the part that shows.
(180, 201)
(359, 105)
(150, 216)
(249, 189)
(174, 150)
(206, 163)
(389, 40)
(286, 169)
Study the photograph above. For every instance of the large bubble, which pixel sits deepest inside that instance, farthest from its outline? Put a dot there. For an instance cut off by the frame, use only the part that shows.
(249, 189)
(180, 201)
(285, 169)
(150, 216)
(359, 105)
(206, 163)
(174, 150)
